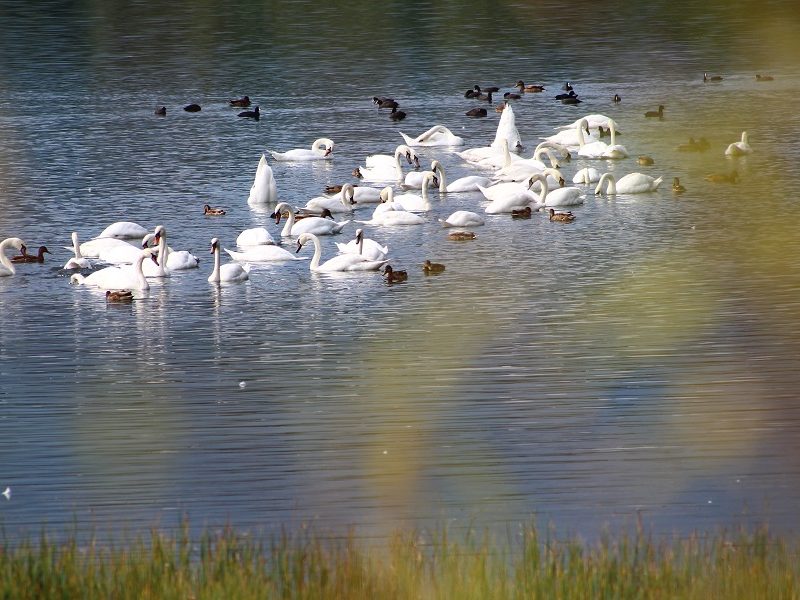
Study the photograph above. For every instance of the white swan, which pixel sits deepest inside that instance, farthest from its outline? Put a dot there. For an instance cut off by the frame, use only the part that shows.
(412, 202)
(368, 248)
(499, 160)
(569, 137)
(470, 183)
(586, 176)
(123, 230)
(229, 272)
(593, 121)
(522, 169)
(315, 225)
(389, 213)
(321, 149)
(342, 202)
(6, 266)
(340, 262)
(127, 277)
(413, 180)
(172, 260)
(597, 148)
(263, 253)
(77, 261)
(124, 254)
(255, 236)
(93, 248)
(505, 197)
(382, 167)
(632, 183)
(438, 135)
(463, 218)
(739, 148)
(264, 189)
(561, 151)
(561, 196)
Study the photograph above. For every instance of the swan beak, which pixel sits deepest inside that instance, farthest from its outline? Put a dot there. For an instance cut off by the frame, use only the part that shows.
(416, 162)
(153, 258)
(299, 247)
(23, 249)
(435, 182)
(328, 151)
(359, 237)
(213, 247)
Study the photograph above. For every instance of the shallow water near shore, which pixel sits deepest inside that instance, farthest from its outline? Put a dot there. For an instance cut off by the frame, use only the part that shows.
(642, 360)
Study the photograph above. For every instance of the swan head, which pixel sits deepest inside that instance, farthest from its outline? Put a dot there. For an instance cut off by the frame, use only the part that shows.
(151, 253)
(146, 240)
(159, 233)
(304, 237)
(348, 194)
(214, 245)
(359, 235)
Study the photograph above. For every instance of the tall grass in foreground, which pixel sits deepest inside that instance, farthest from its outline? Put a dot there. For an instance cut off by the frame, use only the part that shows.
(227, 565)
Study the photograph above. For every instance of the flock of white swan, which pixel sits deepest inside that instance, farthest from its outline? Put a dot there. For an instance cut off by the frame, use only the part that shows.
(506, 181)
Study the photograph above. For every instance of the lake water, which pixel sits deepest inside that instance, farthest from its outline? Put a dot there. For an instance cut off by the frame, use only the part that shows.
(642, 360)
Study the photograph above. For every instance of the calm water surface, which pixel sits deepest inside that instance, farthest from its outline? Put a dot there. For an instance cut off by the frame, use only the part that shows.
(641, 360)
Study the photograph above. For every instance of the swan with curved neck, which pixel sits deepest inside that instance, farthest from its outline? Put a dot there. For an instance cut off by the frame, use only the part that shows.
(315, 225)
(386, 167)
(369, 249)
(77, 261)
(342, 262)
(6, 266)
(342, 202)
(560, 196)
(438, 135)
(414, 203)
(413, 180)
(321, 149)
(129, 277)
(229, 272)
(632, 183)
(506, 197)
(739, 148)
(171, 260)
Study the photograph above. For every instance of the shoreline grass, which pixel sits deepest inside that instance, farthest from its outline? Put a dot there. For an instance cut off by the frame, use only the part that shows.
(227, 564)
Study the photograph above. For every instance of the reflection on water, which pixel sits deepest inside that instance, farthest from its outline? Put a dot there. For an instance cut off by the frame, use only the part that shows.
(641, 359)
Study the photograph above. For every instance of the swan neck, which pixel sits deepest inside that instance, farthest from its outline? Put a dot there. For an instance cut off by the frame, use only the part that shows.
(140, 278)
(581, 140)
(613, 128)
(7, 264)
(215, 273)
(544, 190)
(317, 252)
(442, 180)
(611, 188)
(76, 247)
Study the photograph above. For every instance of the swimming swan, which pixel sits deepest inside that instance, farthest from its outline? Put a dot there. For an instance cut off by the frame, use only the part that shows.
(586, 176)
(382, 167)
(341, 262)
(412, 202)
(438, 135)
(599, 149)
(6, 266)
(342, 202)
(739, 148)
(255, 236)
(561, 196)
(123, 230)
(77, 261)
(463, 218)
(315, 225)
(172, 260)
(128, 277)
(632, 183)
(389, 213)
(368, 248)
(262, 253)
(264, 189)
(229, 272)
(505, 197)
(321, 149)
(520, 170)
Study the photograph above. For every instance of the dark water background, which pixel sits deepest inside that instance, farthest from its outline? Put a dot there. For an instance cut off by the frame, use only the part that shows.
(642, 360)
